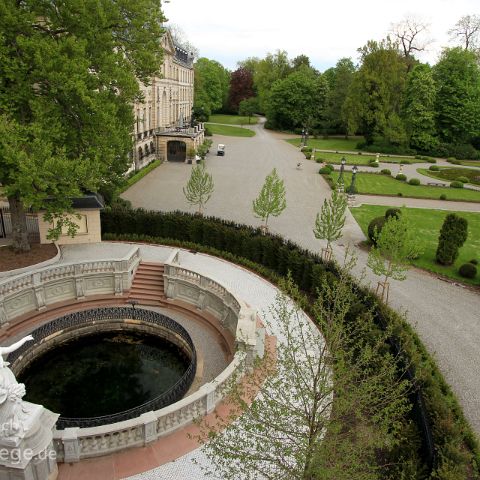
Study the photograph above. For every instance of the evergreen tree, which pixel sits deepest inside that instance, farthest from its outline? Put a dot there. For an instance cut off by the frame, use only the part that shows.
(453, 235)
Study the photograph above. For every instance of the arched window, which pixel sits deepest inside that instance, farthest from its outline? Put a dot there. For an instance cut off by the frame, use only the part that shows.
(152, 147)
(140, 153)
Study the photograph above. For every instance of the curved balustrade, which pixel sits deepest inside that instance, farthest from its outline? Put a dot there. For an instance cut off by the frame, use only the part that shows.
(34, 291)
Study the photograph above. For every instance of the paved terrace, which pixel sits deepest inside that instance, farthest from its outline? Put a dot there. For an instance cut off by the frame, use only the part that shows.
(445, 315)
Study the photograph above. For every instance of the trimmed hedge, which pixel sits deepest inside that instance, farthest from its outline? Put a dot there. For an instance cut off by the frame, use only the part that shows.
(414, 181)
(139, 175)
(449, 444)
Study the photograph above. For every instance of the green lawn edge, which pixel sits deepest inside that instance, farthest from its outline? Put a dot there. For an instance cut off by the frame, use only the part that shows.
(407, 191)
(421, 220)
(229, 130)
(232, 119)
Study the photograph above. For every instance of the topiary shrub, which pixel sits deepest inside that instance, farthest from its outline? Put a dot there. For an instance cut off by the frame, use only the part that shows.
(456, 184)
(430, 160)
(401, 177)
(326, 170)
(373, 164)
(462, 179)
(434, 168)
(393, 212)
(443, 196)
(375, 227)
(414, 181)
(308, 154)
(468, 270)
(453, 235)
(385, 171)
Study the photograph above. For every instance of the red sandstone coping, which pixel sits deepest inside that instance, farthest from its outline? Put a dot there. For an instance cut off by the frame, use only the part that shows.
(141, 459)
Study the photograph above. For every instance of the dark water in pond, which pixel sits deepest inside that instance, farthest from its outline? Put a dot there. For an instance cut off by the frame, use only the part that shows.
(103, 374)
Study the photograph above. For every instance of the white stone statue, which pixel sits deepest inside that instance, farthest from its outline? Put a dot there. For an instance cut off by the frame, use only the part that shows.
(13, 409)
(12, 348)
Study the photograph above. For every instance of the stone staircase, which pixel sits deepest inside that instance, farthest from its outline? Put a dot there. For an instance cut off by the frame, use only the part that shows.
(147, 285)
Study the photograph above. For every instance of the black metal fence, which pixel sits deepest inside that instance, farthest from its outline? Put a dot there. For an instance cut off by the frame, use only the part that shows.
(176, 392)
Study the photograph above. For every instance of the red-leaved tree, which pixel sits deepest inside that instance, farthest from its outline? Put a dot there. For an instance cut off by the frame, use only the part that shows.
(241, 87)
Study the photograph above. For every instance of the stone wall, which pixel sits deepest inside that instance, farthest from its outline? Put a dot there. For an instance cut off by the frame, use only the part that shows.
(89, 228)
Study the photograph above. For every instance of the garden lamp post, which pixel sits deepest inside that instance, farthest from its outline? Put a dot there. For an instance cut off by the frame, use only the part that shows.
(341, 181)
(306, 136)
(351, 188)
(302, 143)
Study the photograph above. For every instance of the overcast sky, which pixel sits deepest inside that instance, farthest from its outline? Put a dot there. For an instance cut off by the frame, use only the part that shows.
(325, 30)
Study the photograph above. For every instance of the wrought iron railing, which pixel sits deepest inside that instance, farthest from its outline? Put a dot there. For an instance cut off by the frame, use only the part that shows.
(174, 393)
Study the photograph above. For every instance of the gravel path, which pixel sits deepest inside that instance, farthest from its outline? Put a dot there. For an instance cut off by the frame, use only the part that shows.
(445, 315)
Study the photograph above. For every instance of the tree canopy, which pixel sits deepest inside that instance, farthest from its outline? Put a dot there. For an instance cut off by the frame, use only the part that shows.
(69, 76)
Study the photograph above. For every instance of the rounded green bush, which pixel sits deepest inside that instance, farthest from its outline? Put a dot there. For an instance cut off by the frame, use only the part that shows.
(326, 170)
(375, 227)
(401, 177)
(468, 270)
(462, 179)
(443, 196)
(430, 160)
(393, 212)
(456, 184)
(474, 261)
(434, 168)
(385, 171)
(414, 181)
(373, 164)
(406, 162)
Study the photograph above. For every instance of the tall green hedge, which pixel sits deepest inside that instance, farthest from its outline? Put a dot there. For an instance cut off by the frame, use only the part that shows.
(449, 447)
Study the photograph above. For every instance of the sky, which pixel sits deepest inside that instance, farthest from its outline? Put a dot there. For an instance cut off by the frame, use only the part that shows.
(324, 30)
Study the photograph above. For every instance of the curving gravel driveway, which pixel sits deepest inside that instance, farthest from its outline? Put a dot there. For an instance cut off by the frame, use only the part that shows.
(445, 315)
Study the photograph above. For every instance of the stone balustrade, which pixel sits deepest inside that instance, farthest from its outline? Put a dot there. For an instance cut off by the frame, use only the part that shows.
(75, 444)
(35, 291)
(210, 296)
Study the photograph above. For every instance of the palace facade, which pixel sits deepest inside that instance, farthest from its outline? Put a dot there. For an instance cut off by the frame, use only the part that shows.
(163, 120)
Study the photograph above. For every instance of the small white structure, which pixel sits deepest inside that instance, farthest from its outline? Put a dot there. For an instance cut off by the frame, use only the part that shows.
(86, 216)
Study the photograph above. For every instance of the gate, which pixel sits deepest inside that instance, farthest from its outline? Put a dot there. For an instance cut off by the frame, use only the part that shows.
(6, 225)
(176, 151)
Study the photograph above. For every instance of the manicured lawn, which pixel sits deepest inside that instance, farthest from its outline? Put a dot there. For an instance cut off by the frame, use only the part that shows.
(332, 143)
(230, 131)
(371, 183)
(427, 224)
(471, 163)
(451, 173)
(232, 119)
(335, 158)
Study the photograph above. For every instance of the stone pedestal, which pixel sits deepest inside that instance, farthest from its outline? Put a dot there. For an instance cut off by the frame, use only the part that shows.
(30, 456)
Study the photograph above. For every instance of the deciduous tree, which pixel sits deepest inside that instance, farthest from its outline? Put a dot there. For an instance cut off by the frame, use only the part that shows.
(457, 105)
(395, 247)
(331, 220)
(309, 421)
(199, 187)
(467, 32)
(419, 108)
(241, 87)
(271, 201)
(68, 79)
(297, 101)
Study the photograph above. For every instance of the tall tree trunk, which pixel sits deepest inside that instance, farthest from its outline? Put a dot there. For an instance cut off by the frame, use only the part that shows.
(19, 225)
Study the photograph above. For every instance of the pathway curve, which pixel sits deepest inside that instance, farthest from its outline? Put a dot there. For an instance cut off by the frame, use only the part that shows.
(445, 315)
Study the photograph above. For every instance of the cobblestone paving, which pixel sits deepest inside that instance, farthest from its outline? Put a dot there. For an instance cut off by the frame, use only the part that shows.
(445, 315)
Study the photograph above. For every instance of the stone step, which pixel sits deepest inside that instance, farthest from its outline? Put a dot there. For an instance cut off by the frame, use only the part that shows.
(140, 290)
(148, 276)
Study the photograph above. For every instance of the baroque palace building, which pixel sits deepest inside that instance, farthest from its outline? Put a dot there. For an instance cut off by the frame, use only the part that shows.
(163, 127)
